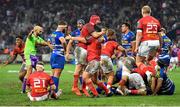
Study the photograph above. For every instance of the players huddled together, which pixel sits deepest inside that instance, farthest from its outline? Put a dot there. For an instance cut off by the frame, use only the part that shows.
(142, 61)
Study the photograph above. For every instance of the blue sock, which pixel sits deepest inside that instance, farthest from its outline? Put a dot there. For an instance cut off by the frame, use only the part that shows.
(24, 85)
(56, 82)
(80, 79)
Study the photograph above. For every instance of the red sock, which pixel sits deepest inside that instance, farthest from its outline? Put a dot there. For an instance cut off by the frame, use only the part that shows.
(92, 88)
(110, 84)
(75, 84)
(102, 86)
(83, 85)
(134, 91)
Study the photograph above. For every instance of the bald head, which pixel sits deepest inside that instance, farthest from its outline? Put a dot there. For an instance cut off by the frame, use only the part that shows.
(146, 10)
(38, 30)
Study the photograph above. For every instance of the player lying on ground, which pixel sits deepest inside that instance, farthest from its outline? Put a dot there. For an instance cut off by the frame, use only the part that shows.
(40, 85)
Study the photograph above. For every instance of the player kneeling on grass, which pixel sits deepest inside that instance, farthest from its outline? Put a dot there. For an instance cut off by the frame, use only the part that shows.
(162, 84)
(38, 83)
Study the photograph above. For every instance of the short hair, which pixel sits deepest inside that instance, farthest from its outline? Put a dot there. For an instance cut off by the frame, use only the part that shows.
(62, 23)
(146, 9)
(127, 24)
(81, 21)
(163, 30)
(20, 37)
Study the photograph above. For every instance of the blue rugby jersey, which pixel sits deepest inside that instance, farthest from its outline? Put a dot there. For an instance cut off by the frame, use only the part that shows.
(55, 41)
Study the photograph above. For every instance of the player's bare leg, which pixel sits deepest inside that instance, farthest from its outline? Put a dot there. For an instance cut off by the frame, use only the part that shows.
(110, 79)
(89, 83)
(29, 71)
(21, 75)
(100, 84)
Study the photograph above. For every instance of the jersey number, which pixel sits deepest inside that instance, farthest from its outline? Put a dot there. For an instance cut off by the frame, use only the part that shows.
(37, 83)
(152, 28)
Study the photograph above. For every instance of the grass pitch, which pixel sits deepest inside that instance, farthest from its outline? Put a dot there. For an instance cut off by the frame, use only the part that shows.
(10, 95)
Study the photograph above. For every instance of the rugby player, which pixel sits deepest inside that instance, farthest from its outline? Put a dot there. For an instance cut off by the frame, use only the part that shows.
(33, 39)
(57, 60)
(107, 51)
(38, 84)
(127, 37)
(147, 40)
(18, 50)
(79, 64)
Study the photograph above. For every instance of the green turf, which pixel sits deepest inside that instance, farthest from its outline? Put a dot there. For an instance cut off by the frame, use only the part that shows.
(10, 92)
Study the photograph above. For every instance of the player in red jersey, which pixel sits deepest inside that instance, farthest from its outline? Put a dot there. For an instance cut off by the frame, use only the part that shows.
(107, 51)
(18, 50)
(147, 39)
(38, 84)
(81, 50)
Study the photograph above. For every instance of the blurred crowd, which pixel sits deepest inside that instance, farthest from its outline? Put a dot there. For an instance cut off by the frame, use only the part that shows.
(17, 17)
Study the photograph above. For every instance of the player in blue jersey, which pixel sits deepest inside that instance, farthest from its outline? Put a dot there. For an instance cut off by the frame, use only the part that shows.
(163, 84)
(79, 66)
(57, 59)
(166, 43)
(127, 37)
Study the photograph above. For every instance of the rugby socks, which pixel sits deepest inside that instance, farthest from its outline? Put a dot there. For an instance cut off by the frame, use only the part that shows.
(109, 85)
(56, 82)
(134, 92)
(92, 88)
(81, 80)
(84, 89)
(83, 85)
(24, 85)
(102, 86)
(75, 83)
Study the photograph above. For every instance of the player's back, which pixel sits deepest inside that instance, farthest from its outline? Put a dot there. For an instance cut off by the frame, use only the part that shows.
(85, 33)
(108, 48)
(150, 27)
(55, 41)
(39, 82)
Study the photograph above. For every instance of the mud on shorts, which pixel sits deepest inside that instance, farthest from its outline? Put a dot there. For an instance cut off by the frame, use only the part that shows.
(106, 64)
(80, 55)
(93, 66)
(31, 60)
(136, 81)
(147, 47)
